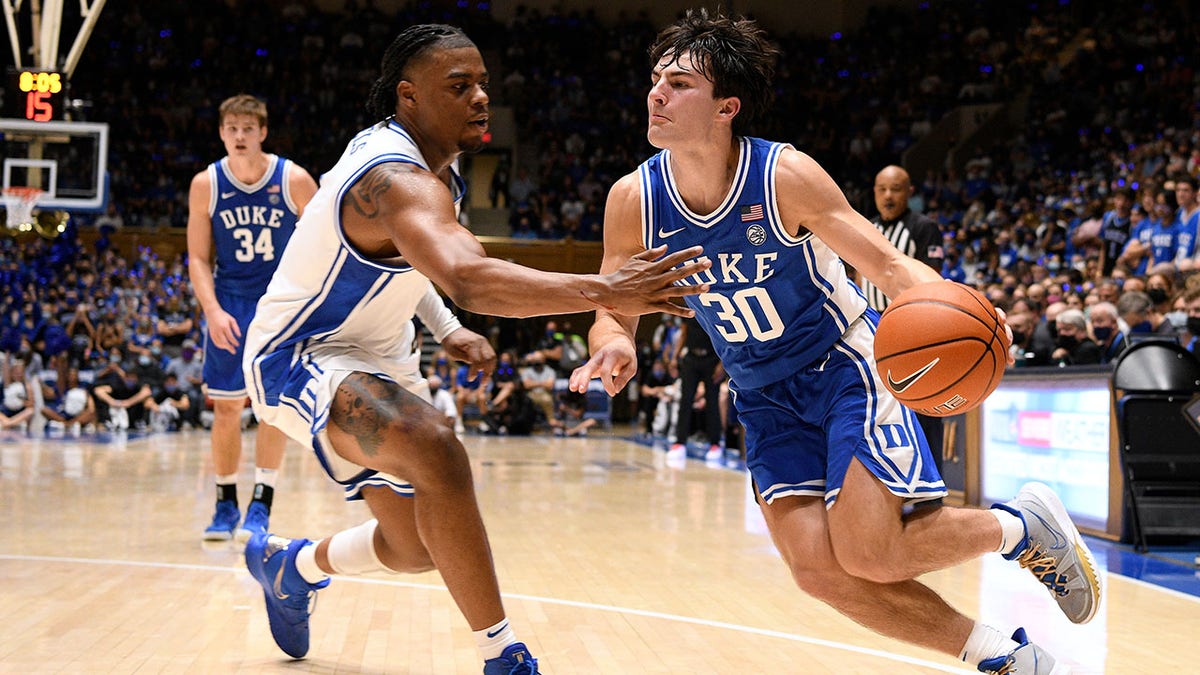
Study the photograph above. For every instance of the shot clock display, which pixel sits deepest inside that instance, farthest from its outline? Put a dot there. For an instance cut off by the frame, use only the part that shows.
(37, 95)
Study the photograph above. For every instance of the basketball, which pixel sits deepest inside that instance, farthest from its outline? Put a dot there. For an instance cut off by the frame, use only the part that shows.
(940, 348)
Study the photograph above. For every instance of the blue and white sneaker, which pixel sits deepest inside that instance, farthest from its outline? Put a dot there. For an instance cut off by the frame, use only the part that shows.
(514, 660)
(272, 562)
(1054, 551)
(257, 521)
(1026, 659)
(225, 519)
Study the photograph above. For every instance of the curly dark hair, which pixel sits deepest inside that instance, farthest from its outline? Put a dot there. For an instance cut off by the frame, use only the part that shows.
(412, 43)
(734, 54)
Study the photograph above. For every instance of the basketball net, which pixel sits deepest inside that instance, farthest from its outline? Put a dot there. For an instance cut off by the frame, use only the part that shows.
(18, 207)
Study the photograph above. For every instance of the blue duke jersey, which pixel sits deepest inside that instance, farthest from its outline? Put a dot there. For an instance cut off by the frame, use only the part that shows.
(776, 302)
(251, 224)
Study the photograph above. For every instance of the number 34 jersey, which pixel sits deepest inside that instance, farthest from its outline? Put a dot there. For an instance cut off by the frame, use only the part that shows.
(777, 302)
(251, 226)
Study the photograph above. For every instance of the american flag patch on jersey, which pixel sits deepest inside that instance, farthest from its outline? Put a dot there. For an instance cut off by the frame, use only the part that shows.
(274, 188)
(752, 212)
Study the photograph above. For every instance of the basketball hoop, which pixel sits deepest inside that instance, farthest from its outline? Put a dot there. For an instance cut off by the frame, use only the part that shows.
(18, 207)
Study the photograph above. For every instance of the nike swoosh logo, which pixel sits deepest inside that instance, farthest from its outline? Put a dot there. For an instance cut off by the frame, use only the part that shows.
(663, 234)
(227, 195)
(900, 386)
(1059, 540)
(490, 634)
(277, 587)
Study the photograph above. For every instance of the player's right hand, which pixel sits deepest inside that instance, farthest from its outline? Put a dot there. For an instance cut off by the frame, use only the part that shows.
(223, 331)
(646, 283)
(615, 364)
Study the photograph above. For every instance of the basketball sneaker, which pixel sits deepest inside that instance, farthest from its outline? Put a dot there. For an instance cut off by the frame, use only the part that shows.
(1026, 659)
(514, 660)
(715, 455)
(272, 562)
(257, 521)
(1054, 551)
(225, 519)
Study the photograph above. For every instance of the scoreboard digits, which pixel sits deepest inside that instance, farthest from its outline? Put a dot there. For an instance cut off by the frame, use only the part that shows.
(38, 95)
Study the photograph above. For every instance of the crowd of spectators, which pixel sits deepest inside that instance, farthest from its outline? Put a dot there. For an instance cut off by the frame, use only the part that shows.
(1037, 221)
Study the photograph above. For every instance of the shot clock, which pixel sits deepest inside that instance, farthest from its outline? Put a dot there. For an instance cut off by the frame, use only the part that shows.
(37, 95)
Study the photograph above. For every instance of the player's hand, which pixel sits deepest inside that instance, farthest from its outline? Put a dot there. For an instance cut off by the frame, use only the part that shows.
(1008, 332)
(615, 364)
(472, 349)
(223, 331)
(646, 283)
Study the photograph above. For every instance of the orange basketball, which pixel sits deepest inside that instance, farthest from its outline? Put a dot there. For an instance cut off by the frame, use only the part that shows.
(940, 348)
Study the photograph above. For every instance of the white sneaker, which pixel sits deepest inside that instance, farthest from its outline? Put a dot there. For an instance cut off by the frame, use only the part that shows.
(715, 455)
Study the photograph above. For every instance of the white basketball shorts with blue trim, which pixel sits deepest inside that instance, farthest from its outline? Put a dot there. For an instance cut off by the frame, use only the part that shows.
(802, 431)
(300, 407)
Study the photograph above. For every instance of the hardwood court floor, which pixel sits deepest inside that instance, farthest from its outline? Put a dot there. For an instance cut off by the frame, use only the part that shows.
(610, 562)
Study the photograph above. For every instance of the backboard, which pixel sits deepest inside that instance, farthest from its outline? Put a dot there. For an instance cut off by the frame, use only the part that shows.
(67, 160)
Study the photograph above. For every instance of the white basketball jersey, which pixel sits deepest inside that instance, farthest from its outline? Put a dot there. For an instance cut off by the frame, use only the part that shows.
(325, 296)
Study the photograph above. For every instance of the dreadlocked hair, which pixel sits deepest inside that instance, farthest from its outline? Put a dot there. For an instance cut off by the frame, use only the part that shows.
(409, 45)
(734, 54)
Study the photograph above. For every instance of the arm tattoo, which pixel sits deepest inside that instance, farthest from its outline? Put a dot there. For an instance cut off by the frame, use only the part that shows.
(365, 195)
(365, 406)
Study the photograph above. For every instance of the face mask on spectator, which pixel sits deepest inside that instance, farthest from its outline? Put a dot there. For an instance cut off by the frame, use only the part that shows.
(1019, 336)
(1178, 319)
(187, 354)
(1102, 333)
(144, 360)
(1157, 295)
(1066, 341)
(1193, 325)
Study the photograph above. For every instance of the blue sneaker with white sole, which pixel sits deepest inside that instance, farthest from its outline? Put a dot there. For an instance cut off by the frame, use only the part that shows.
(514, 660)
(272, 562)
(225, 519)
(258, 521)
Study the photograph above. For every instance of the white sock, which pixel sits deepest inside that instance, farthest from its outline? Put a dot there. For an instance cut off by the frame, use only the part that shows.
(492, 641)
(265, 476)
(985, 643)
(231, 479)
(306, 564)
(1012, 530)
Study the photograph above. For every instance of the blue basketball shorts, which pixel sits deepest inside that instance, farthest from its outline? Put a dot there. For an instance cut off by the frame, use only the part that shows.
(802, 431)
(223, 376)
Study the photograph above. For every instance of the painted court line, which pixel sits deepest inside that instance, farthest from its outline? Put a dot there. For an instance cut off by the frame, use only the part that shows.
(533, 598)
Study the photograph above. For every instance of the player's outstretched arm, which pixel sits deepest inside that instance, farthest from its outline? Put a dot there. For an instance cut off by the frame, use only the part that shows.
(611, 342)
(406, 208)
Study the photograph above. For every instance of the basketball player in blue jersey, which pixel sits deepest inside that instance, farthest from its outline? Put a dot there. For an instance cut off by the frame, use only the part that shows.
(329, 354)
(834, 458)
(242, 210)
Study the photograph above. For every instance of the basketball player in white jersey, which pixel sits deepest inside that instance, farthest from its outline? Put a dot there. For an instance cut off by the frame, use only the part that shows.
(329, 357)
(833, 456)
(242, 210)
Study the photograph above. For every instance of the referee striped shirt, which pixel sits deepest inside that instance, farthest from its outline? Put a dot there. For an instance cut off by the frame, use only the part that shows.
(917, 236)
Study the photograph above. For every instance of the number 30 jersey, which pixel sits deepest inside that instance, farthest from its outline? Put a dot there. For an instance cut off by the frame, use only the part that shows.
(251, 226)
(777, 302)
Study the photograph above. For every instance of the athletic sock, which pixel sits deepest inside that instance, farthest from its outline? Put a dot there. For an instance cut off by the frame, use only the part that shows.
(985, 643)
(265, 476)
(227, 488)
(264, 494)
(306, 564)
(493, 640)
(1012, 530)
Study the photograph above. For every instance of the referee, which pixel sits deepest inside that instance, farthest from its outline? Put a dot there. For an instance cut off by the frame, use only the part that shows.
(917, 236)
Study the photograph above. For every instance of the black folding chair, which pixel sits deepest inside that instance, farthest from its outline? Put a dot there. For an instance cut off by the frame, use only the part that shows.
(1160, 448)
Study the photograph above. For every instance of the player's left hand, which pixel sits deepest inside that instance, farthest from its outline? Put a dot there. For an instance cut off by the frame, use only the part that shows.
(471, 348)
(1008, 332)
(615, 364)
